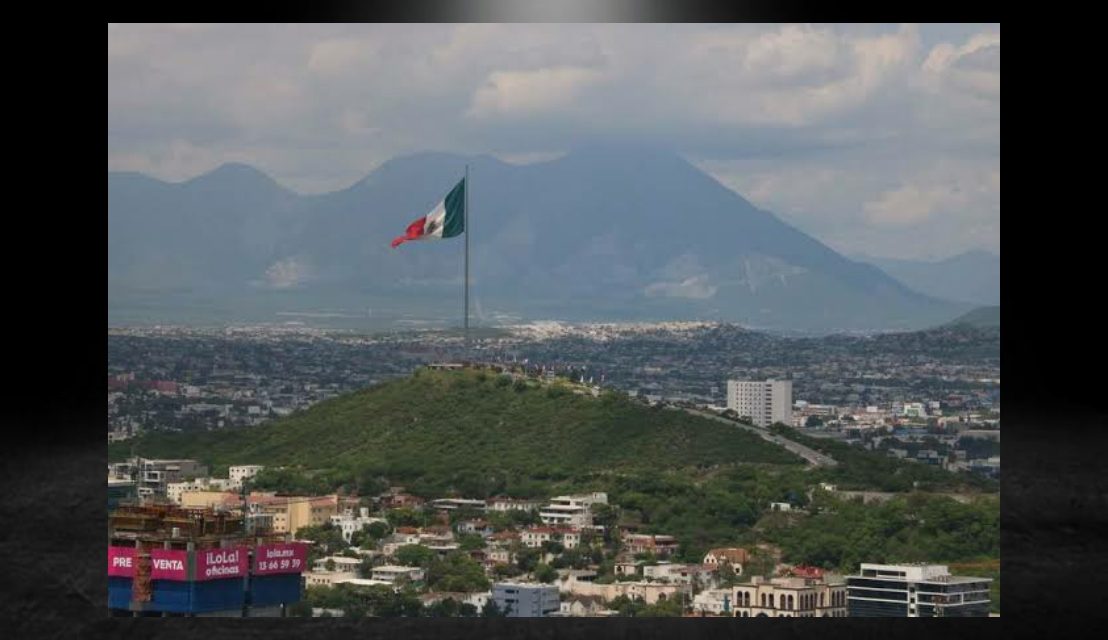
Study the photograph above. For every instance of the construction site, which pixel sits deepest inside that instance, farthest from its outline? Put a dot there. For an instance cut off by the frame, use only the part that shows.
(165, 560)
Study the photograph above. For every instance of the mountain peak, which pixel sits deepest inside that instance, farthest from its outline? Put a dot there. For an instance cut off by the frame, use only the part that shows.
(234, 175)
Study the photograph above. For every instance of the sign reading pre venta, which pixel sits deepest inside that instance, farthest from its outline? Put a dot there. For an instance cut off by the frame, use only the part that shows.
(280, 558)
(215, 564)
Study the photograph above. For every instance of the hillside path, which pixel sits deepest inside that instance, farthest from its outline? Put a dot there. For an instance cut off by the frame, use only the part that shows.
(813, 457)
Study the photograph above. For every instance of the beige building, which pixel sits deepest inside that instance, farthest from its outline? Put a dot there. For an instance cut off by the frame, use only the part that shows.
(648, 592)
(289, 513)
(209, 499)
(791, 597)
(292, 513)
(327, 578)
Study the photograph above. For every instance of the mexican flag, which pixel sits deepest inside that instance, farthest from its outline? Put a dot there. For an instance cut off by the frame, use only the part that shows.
(446, 220)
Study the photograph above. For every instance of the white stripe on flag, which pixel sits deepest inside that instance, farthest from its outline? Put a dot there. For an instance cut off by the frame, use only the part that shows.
(435, 221)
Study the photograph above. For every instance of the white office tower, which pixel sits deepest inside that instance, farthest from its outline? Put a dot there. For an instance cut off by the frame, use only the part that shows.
(764, 402)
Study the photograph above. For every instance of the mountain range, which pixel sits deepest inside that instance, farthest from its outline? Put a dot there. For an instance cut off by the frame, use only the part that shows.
(973, 276)
(604, 233)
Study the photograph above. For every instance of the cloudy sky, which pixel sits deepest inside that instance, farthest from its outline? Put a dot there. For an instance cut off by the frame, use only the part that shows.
(876, 139)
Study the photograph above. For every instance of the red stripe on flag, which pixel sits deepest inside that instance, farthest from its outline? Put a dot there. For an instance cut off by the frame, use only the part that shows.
(414, 232)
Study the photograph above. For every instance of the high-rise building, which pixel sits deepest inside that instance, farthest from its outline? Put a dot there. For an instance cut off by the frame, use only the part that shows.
(526, 600)
(915, 591)
(764, 402)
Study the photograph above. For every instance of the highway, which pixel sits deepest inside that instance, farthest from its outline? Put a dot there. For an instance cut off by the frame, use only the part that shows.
(813, 457)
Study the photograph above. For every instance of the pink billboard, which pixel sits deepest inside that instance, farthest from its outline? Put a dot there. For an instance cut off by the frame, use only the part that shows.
(169, 564)
(280, 558)
(121, 562)
(215, 564)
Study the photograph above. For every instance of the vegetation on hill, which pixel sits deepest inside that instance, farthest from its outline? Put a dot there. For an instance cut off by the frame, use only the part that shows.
(859, 469)
(471, 432)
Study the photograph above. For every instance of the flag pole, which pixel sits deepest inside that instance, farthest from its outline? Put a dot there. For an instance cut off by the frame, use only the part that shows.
(466, 221)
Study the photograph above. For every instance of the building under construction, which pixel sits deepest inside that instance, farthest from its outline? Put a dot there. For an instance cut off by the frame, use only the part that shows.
(165, 560)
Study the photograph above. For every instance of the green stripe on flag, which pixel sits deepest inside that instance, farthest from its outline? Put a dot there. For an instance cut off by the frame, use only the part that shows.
(455, 222)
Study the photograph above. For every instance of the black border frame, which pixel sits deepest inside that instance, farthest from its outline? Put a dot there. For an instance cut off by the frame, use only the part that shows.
(1053, 492)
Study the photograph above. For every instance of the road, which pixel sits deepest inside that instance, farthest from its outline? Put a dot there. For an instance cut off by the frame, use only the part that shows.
(813, 457)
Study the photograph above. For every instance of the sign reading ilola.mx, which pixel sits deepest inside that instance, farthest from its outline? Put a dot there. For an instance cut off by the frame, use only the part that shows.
(280, 558)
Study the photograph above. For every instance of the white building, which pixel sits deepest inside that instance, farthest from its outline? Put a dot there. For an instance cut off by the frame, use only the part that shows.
(390, 573)
(713, 601)
(764, 402)
(241, 472)
(501, 503)
(572, 510)
(526, 600)
(348, 523)
(341, 564)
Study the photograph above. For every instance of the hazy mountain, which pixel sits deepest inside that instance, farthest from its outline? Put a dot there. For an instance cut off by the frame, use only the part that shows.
(973, 276)
(603, 233)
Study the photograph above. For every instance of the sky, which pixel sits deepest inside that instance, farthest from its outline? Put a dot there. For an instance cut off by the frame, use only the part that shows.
(878, 140)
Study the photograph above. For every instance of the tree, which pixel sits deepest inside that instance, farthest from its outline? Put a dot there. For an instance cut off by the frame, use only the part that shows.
(329, 565)
(470, 542)
(456, 572)
(545, 573)
(527, 559)
(415, 555)
(491, 610)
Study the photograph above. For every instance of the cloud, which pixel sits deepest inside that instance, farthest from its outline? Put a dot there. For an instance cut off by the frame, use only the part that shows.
(530, 92)
(834, 127)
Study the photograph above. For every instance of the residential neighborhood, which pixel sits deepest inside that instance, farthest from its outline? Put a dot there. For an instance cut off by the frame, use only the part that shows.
(502, 555)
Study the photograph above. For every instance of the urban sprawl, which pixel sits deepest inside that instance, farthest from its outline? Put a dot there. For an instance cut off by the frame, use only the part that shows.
(930, 397)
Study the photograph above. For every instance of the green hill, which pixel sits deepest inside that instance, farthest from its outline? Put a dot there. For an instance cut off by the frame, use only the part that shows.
(472, 431)
(981, 318)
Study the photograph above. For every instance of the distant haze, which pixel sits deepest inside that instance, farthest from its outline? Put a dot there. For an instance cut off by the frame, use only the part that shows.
(973, 276)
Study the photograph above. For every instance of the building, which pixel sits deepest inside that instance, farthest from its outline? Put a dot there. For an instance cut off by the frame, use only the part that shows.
(174, 490)
(659, 545)
(349, 523)
(502, 503)
(533, 537)
(152, 477)
(338, 563)
(120, 491)
(241, 472)
(648, 592)
(915, 591)
(734, 556)
(572, 510)
(526, 600)
(292, 513)
(584, 607)
(789, 597)
(671, 572)
(452, 504)
(714, 601)
(764, 402)
(167, 561)
(391, 573)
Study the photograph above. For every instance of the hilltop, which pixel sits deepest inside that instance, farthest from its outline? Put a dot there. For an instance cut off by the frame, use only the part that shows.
(473, 431)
